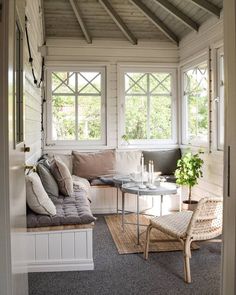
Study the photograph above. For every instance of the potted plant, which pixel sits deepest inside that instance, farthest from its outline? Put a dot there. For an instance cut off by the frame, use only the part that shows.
(189, 170)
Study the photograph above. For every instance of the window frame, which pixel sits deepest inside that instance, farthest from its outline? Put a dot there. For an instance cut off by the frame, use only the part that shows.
(49, 141)
(184, 125)
(219, 53)
(121, 103)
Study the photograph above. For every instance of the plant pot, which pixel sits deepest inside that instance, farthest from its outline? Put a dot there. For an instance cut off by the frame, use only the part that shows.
(189, 206)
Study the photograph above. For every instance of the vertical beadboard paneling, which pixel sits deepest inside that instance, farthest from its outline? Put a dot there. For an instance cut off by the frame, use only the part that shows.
(68, 245)
(31, 247)
(32, 93)
(54, 246)
(81, 245)
(41, 247)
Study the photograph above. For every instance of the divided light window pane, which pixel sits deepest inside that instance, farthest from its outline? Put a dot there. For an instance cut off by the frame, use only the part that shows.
(196, 104)
(77, 105)
(148, 106)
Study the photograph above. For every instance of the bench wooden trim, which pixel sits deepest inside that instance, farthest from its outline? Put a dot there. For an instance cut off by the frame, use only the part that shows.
(60, 227)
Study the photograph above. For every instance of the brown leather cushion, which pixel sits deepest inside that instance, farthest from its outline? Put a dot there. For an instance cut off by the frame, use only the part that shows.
(93, 165)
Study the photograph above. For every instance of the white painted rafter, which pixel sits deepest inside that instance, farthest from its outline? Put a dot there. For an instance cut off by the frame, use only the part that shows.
(79, 18)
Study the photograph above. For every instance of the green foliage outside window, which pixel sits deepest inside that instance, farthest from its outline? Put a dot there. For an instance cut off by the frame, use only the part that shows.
(148, 106)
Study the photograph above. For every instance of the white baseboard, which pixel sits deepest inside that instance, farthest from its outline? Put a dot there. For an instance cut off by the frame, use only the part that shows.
(54, 266)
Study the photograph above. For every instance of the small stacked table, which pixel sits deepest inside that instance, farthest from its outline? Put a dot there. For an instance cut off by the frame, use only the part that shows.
(127, 186)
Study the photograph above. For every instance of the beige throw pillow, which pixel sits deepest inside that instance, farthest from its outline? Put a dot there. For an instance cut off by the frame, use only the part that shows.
(127, 162)
(63, 177)
(36, 196)
(94, 165)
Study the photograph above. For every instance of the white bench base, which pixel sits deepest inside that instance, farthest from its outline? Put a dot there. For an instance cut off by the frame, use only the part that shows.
(60, 250)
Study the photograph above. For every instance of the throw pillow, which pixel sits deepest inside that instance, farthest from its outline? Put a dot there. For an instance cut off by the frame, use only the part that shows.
(93, 165)
(63, 177)
(127, 162)
(48, 181)
(36, 196)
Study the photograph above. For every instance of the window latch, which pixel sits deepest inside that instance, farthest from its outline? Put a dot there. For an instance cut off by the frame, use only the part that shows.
(217, 99)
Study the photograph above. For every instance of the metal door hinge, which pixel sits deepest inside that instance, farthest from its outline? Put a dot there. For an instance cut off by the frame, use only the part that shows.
(0, 11)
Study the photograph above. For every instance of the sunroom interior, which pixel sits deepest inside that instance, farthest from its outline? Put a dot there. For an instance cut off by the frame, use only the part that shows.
(131, 77)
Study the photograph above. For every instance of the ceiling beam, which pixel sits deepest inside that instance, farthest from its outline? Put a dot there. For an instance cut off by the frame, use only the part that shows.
(178, 14)
(118, 21)
(155, 20)
(208, 6)
(77, 12)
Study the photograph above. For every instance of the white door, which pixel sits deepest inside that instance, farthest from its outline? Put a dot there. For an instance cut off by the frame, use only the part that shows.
(12, 180)
(229, 245)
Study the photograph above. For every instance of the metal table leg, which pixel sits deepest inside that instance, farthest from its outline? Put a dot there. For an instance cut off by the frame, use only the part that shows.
(117, 200)
(138, 234)
(123, 209)
(161, 205)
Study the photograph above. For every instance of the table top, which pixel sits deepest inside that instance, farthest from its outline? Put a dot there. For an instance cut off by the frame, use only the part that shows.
(164, 189)
(121, 179)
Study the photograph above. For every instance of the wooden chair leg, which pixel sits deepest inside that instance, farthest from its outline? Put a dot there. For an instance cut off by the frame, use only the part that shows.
(187, 256)
(147, 242)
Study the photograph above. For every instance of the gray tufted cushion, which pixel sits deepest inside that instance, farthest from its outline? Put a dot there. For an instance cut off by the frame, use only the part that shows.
(70, 211)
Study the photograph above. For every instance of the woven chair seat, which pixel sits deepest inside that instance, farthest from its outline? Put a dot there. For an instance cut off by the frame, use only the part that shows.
(173, 224)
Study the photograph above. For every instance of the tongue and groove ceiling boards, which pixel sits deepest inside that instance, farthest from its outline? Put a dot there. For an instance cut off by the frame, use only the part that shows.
(132, 20)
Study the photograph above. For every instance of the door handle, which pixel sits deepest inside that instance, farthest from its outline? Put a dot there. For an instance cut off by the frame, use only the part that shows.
(26, 149)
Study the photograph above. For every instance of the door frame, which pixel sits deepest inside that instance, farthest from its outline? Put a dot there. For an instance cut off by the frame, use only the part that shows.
(229, 217)
(5, 228)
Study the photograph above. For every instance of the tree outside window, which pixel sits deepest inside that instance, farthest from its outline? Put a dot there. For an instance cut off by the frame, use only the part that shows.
(148, 105)
(77, 106)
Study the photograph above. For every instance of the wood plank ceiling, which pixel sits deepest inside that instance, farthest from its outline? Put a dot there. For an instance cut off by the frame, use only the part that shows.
(131, 20)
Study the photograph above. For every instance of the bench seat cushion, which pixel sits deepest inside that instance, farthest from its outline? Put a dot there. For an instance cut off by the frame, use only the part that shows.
(70, 210)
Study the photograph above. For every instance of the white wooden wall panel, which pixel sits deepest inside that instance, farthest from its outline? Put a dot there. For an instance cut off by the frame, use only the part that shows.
(54, 246)
(68, 245)
(32, 93)
(41, 243)
(80, 248)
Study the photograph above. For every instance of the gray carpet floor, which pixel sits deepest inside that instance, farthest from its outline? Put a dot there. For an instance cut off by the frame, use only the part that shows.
(130, 274)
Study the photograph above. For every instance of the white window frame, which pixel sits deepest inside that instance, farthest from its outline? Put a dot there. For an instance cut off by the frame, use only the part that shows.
(184, 125)
(75, 143)
(219, 54)
(121, 120)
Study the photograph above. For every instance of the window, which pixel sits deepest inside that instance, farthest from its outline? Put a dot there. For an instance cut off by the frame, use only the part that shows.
(148, 106)
(220, 99)
(77, 106)
(195, 105)
(18, 106)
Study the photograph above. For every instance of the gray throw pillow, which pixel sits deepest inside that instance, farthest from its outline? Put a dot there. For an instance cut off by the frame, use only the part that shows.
(36, 196)
(63, 177)
(165, 161)
(48, 181)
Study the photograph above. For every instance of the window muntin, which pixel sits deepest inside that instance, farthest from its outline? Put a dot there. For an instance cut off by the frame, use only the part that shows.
(196, 106)
(77, 106)
(220, 99)
(148, 113)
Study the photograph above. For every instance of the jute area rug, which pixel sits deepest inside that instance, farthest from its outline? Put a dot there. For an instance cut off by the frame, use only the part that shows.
(126, 241)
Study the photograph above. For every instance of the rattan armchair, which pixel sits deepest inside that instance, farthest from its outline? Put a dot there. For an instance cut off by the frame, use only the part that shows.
(203, 224)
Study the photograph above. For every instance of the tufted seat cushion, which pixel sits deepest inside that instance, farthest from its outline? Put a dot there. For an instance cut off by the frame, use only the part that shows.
(70, 211)
(173, 224)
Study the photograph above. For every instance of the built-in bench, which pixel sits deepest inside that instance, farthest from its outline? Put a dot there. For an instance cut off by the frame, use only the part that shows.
(63, 242)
